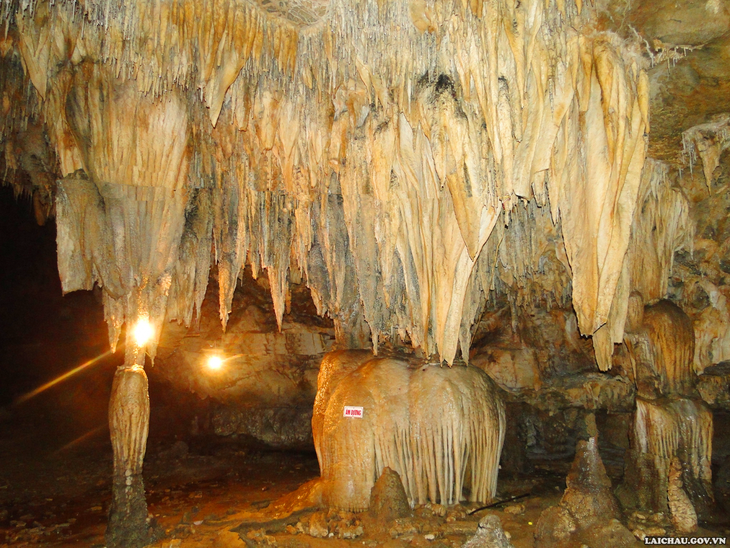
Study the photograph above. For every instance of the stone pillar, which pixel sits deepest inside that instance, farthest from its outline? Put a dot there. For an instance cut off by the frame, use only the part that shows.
(671, 423)
(129, 418)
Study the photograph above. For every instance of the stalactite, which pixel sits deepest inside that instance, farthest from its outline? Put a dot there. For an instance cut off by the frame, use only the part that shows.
(661, 226)
(708, 141)
(122, 218)
(379, 177)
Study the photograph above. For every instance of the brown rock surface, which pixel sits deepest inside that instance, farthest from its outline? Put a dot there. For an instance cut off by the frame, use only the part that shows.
(555, 528)
(588, 496)
(388, 499)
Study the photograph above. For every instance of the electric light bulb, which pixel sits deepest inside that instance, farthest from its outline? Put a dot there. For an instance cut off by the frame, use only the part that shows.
(215, 362)
(143, 331)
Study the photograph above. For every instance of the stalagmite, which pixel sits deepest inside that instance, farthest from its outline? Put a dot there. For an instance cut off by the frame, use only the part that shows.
(441, 429)
(489, 535)
(129, 414)
(670, 423)
(588, 511)
(683, 513)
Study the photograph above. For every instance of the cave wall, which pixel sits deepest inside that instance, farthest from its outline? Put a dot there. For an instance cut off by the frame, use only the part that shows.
(265, 388)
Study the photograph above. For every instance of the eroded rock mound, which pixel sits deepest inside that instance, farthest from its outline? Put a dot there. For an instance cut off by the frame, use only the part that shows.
(388, 499)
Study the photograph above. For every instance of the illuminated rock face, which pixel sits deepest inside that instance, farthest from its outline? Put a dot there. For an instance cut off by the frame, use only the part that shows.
(267, 382)
(441, 429)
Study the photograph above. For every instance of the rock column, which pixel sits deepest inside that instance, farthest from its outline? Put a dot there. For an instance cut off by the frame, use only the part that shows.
(129, 417)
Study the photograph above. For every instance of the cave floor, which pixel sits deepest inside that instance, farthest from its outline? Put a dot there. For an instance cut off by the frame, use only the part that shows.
(196, 492)
(199, 491)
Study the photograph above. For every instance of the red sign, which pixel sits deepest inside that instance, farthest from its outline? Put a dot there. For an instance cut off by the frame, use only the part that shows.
(353, 412)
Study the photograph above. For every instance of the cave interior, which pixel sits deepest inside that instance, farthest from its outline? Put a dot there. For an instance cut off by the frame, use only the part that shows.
(390, 273)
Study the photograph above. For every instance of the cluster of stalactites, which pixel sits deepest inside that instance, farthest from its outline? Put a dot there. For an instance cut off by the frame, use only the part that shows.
(126, 216)
(372, 152)
(661, 226)
(418, 163)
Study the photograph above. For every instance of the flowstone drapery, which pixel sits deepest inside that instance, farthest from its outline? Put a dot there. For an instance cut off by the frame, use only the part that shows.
(441, 429)
(671, 424)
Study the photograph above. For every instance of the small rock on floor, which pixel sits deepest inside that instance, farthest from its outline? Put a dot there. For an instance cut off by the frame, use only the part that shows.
(489, 535)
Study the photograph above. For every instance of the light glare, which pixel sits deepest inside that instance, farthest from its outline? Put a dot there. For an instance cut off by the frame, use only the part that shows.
(142, 332)
(61, 378)
(215, 362)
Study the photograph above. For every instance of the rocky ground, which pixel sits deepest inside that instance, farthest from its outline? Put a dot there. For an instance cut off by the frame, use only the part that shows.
(200, 491)
(198, 494)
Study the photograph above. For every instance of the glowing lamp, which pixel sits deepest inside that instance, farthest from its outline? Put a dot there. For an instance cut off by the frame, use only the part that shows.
(215, 362)
(143, 332)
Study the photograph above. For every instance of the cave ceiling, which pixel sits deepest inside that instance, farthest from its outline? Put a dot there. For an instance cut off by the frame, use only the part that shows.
(413, 163)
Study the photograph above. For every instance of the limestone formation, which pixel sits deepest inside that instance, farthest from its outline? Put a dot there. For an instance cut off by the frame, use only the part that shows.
(554, 528)
(670, 423)
(714, 385)
(662, 431)
(489, 535)
(267, 381)
(612, 534)
(388, 499)
(684, 517)
(588, 508)
(129, 413)
(588, 496)
(414, 163)
(333, 368)
(440, 429)
(494, 105)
